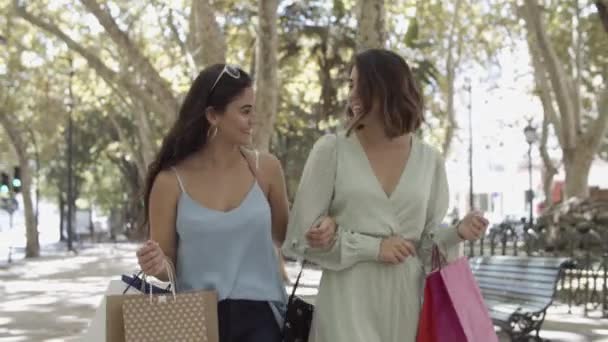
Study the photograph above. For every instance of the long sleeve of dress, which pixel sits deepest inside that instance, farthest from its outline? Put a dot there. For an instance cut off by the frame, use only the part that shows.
(446, 239)
(312, 202)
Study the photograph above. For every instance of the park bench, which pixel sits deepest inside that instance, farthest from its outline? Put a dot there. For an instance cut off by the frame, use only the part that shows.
(518, 290)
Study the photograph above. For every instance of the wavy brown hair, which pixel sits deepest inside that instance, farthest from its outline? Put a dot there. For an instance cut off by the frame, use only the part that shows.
(384, 77)
(189, 132)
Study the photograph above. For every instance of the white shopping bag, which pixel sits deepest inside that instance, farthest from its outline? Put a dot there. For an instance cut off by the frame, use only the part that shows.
(97, 328)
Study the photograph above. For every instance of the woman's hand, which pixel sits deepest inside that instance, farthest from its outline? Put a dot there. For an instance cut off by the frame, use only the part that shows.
(473, 226)
(395, 249)
(151, 259)
(322, 235)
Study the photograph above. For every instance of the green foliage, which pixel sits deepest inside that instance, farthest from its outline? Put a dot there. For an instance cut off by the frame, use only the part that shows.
(316, 45)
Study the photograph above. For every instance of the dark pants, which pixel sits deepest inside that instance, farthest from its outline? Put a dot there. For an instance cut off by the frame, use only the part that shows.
(247, 321)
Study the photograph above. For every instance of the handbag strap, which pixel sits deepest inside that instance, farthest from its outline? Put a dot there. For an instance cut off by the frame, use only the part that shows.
(297, 283)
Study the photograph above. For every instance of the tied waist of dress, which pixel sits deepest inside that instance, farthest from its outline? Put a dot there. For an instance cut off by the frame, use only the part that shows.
(299, 246)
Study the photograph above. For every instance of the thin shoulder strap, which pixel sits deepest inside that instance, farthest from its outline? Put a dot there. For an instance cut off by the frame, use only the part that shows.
(254, 170)
(179, 179)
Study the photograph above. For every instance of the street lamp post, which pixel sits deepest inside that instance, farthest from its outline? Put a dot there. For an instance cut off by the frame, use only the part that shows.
(531, 137)
(469, 89)
(70, 195)
(470, 109)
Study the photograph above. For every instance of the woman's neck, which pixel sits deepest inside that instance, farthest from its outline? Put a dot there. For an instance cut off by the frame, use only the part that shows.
(373, 133)
(219, 154)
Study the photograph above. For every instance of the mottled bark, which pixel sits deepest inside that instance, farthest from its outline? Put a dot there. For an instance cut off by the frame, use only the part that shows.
(556, 86)
(205, 41)
(266, 82)
(452, 61)
(16, 135)
(371, 22)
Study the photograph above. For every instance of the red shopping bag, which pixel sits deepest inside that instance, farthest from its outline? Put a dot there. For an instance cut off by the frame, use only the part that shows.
(453, 309)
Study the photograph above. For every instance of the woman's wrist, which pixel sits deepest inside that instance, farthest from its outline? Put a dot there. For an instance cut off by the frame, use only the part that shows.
(458, 231)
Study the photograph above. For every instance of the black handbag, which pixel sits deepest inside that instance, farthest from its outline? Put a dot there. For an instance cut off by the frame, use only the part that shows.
(142, 285)
(299, 315)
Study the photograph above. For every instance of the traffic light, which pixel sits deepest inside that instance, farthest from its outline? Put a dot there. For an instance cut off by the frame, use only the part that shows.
(4, 184)
(17, 179)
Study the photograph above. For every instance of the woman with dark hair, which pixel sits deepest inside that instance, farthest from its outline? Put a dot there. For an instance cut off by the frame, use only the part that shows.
(217, 210)
(386, 192)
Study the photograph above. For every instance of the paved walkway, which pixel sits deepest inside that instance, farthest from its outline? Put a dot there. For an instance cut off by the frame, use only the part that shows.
(54, 297)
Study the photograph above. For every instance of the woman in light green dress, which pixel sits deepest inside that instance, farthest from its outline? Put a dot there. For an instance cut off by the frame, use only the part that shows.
(368, 210)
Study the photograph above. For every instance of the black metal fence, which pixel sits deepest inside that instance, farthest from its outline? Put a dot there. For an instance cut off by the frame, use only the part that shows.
(584, 284)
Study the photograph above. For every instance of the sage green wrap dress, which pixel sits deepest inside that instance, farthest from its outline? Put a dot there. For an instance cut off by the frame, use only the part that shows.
(361, 299)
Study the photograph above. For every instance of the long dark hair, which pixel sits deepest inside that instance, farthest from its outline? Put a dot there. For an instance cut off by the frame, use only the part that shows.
(189, 133)
(386, 76)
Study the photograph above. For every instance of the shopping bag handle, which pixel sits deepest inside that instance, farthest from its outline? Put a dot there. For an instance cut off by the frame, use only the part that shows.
(438, 259)
(170, 273)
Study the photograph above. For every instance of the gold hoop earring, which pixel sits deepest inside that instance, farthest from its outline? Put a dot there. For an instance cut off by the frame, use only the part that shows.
(212, 132)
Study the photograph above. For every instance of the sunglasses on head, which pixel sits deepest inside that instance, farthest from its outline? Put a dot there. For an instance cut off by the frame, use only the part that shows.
(229, 70)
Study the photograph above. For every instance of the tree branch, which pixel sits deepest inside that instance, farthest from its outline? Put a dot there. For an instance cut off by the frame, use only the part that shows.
(154, 81)
(122, 137)
(563, 93)
(543, 147)
(599, 128)
(107, 74)
(544, 92)
(9, 123)
(550, 169)
(182, 45)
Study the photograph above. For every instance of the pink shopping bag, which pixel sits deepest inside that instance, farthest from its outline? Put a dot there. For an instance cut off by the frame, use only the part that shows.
(453, 309)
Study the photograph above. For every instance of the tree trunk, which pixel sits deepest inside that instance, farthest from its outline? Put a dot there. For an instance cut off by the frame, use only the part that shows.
(252, 64)
(266, 82)
(543, 89)
(370, 17)
(555, 85)
(578, 165)
(452, 62)
(140, 160)
(548, 177)
(602, 11)
(131, 211)
(205, 39)
(146, 136)
(134, 210)
(32, 247)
